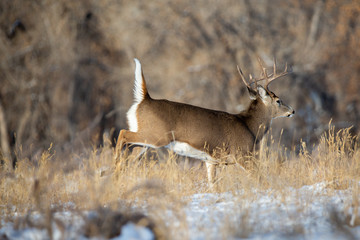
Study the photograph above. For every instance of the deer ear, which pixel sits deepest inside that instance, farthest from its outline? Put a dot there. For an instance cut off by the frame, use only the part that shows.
(252, 93)
(262, 92)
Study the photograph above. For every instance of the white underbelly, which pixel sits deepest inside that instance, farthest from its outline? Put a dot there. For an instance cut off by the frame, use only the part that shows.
(183, 149)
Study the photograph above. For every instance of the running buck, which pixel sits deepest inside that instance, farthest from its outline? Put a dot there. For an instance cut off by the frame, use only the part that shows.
(198, 132)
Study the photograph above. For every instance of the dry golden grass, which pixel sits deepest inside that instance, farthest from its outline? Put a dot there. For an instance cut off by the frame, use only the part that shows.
(94, 180)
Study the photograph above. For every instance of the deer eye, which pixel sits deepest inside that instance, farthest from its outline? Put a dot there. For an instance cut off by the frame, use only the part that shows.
(278, 102)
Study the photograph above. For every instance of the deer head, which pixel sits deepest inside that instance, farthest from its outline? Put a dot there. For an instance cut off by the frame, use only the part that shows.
(274, 105)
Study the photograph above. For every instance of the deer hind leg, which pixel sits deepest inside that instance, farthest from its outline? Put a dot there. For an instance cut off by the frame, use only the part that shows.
(126, 137)
(119, 145)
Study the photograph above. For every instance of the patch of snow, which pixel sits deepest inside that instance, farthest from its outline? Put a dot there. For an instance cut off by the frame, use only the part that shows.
(23, 234)
(131, 231)
(308, 211)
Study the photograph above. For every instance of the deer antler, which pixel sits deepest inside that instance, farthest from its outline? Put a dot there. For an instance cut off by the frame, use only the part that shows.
(252, 80)
(274, 75)
(269, 78)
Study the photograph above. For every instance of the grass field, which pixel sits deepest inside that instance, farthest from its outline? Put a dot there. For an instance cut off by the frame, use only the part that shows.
(313, 194)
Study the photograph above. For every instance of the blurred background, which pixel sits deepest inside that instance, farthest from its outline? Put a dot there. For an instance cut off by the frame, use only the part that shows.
(66, 67)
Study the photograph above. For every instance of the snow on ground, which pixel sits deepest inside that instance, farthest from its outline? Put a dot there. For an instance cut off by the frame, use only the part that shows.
(307, 212)
(311, 212)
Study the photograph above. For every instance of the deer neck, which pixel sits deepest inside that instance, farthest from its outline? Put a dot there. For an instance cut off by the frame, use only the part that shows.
(257, 118)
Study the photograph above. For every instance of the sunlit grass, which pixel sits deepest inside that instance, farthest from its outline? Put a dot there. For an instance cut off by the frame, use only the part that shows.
(154, 186)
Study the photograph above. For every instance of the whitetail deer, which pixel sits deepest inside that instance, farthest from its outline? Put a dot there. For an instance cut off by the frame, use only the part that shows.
(198, 132)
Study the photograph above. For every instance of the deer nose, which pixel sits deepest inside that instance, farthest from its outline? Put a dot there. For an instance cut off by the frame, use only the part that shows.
(291, 114)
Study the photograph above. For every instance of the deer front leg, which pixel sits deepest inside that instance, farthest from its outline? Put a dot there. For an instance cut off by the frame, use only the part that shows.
(211, 173)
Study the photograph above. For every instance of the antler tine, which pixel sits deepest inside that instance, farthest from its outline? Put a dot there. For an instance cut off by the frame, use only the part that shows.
(274, 71)
(242, 76)
(253, 81)
(263, 69)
